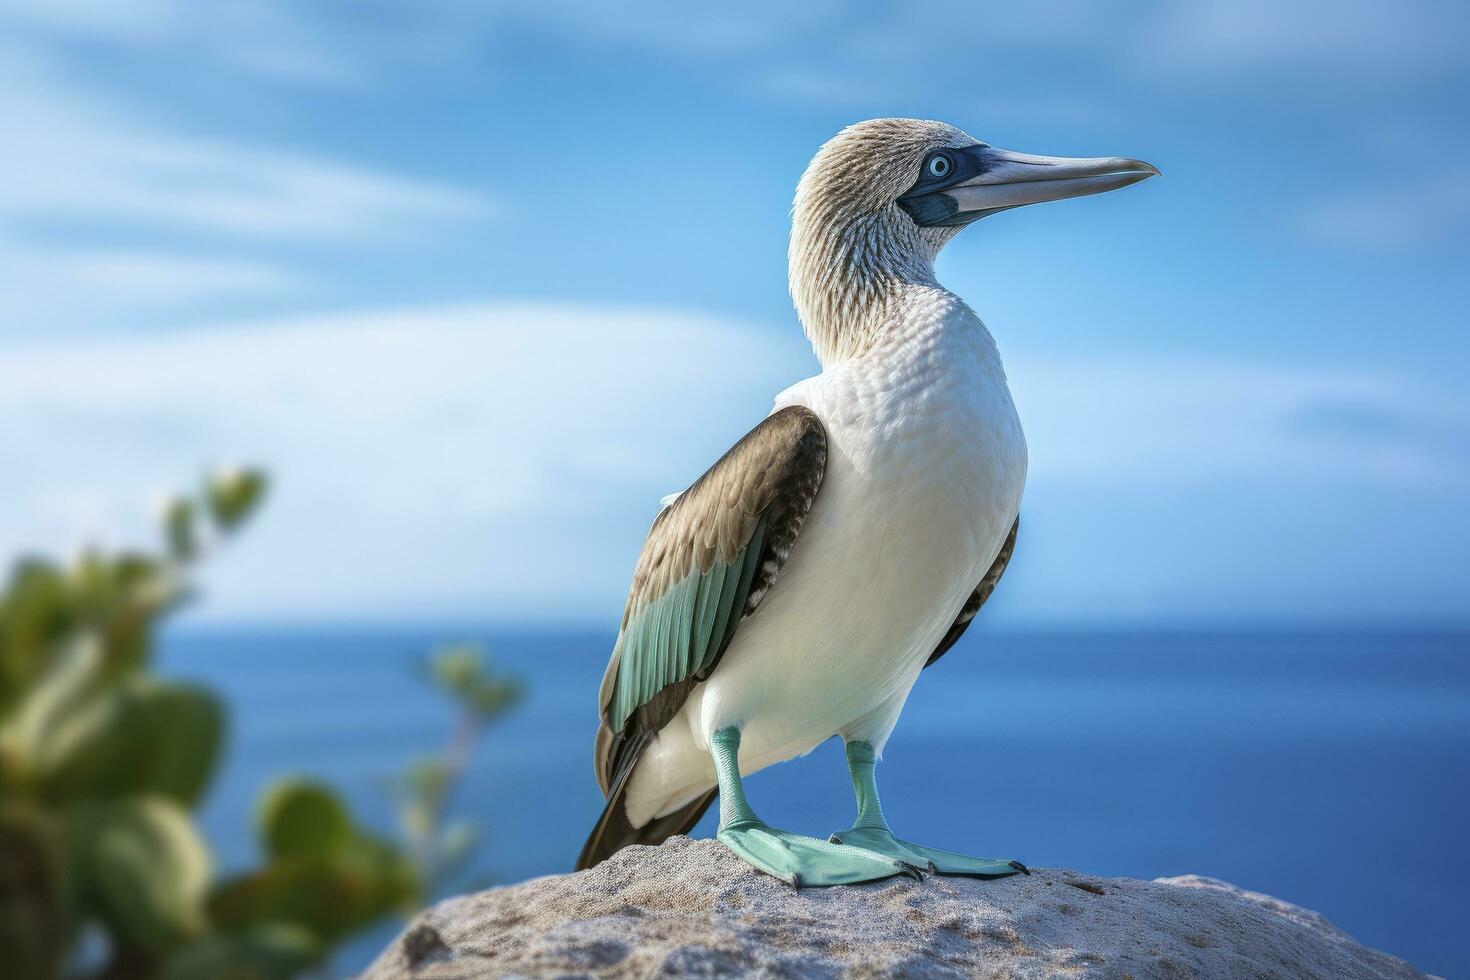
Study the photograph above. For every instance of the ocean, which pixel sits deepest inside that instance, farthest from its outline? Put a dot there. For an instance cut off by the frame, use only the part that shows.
(1330, 769)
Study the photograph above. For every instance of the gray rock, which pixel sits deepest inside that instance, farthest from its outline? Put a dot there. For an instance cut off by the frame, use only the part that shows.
(692, 909)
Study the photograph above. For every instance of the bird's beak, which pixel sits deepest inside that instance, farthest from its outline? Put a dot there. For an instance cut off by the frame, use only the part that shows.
(983, 180)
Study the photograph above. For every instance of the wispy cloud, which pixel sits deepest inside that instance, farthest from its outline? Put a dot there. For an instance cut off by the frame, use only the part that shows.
(313, 44)
(891, 45)
(1428, 428)
(498, 452)
(265, 38)
(1375, 37)
(78, 162)
(167, 274)
(45, 289)
(1172, 421)
(1422, 212)
(506, 456)
(183, 216)
(75, 285)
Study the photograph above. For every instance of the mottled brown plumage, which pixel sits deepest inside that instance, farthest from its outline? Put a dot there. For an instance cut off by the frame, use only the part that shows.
(767, 483)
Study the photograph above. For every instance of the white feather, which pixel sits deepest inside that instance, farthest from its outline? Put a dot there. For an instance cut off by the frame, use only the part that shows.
(926, 464)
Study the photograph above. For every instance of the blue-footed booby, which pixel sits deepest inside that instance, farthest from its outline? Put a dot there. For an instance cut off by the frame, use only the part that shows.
(797, 589)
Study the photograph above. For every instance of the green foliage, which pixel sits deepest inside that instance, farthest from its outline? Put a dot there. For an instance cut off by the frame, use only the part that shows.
(141, 869)
(141, 736)
(464, 673)
(101, 762)
(232, 494)
(277, 949)
(437, 846)
(179, 530)
(301, 818)
(330, 895)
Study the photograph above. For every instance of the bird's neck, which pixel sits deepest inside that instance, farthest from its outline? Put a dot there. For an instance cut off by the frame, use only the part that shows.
(847, 279)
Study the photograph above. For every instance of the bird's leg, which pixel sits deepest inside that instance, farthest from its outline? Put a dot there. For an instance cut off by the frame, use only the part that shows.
(870, 831)
(797, 860)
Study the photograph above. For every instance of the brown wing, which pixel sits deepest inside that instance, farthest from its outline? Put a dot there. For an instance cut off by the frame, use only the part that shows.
(978, 597)
(708, 561)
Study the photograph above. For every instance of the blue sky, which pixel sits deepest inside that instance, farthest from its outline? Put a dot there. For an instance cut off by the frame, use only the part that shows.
(480, 282)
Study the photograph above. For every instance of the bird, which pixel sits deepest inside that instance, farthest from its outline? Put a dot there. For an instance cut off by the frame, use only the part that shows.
(796, 591)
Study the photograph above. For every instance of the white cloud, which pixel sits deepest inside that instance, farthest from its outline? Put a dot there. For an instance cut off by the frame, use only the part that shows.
(500, 452)
(504, 458)
(79, 285)
(1425, 211)
(86, 166)
(1359, 36)
(814, 44)
(156, 275)
(259, 37)
(79, 162)
(1172, 421)
(144, 20)
(307, 44)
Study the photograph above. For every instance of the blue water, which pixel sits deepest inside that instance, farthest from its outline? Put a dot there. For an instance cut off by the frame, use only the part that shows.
(1326, 769)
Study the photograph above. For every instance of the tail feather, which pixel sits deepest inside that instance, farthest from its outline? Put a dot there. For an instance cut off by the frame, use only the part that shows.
(613, 832)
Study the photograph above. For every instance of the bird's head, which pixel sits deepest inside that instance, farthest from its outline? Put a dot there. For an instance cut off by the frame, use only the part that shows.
(882, 197)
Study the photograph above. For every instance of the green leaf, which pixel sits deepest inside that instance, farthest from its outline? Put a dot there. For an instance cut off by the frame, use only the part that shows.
(270, 951)
(145, 870)
(332, 895)
(35, 614)
(179, 528)
(232, 495)
(298, 817)
(143, 736)
(28, 739)
(464, 673)
(181, 728)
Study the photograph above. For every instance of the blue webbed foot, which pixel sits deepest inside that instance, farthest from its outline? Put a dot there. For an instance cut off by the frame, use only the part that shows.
(871, 833)
(806, 861)
(799, 861)
(878, 840)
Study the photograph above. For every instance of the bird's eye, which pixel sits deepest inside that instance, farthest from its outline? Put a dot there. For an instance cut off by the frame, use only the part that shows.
(939, 165)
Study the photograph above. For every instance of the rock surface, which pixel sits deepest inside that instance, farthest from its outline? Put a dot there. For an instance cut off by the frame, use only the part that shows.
(691, 908)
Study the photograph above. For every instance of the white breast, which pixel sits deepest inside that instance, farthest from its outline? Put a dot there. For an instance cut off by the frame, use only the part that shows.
(926, 464)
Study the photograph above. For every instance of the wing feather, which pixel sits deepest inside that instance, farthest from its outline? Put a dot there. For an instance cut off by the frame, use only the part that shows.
(706, 613)
(709, 559)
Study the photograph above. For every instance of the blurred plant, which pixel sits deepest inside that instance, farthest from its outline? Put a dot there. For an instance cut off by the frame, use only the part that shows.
(439, 848)
(101, 764)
